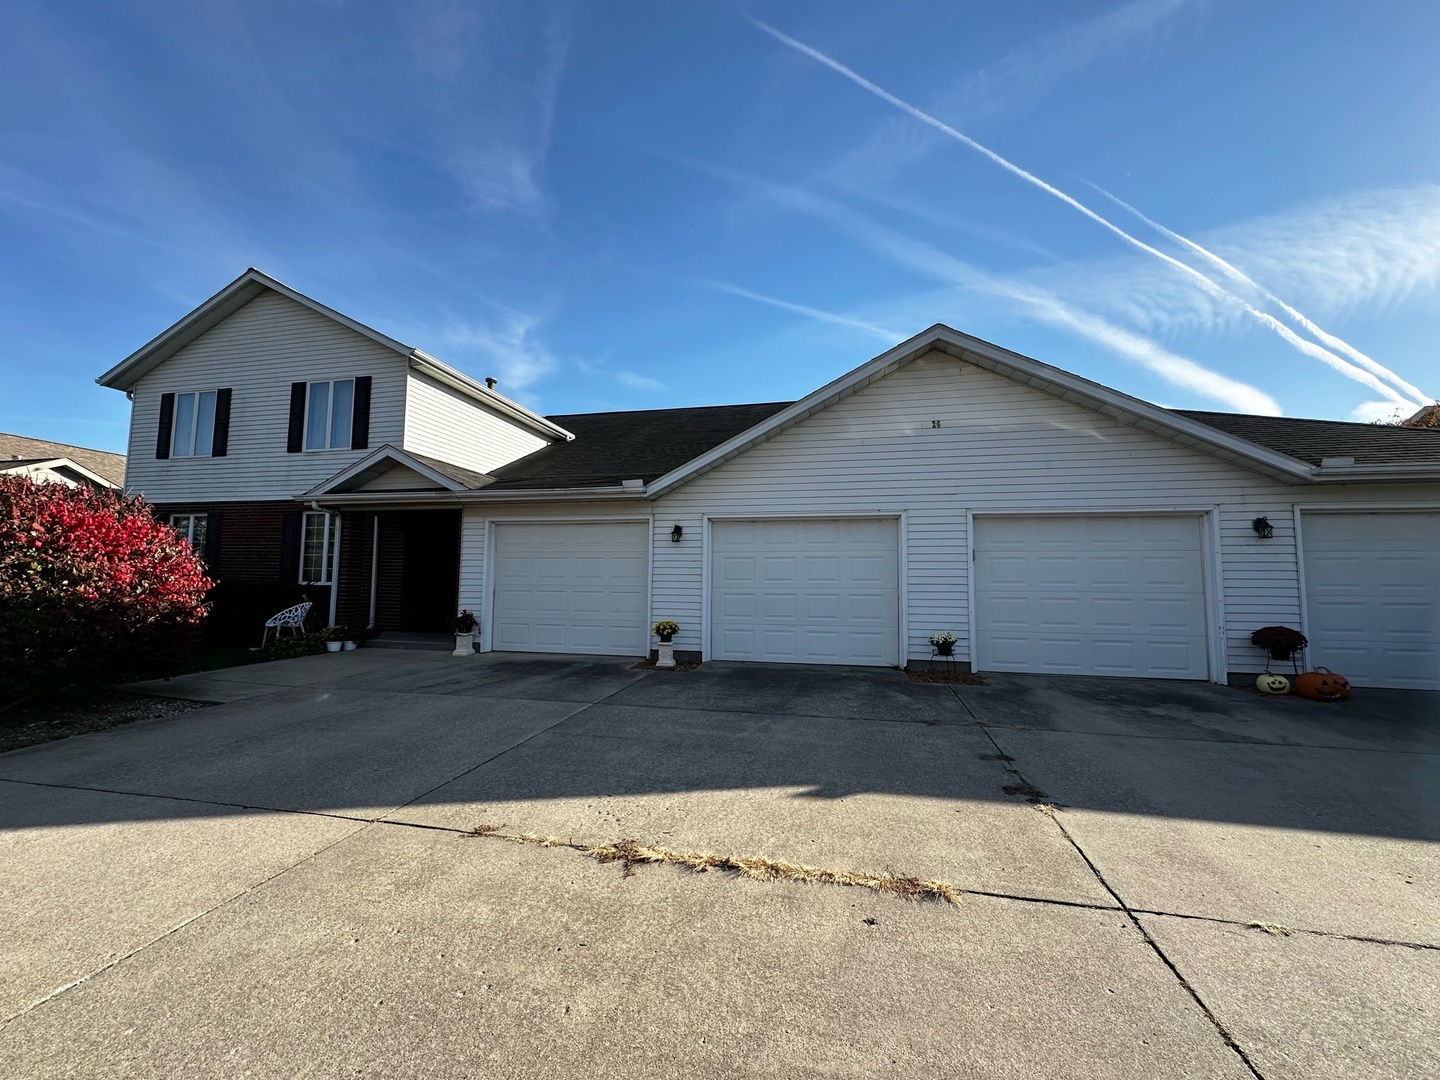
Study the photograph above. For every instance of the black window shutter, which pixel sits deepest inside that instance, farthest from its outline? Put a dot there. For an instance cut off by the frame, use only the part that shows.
(220, 445)
(360, 429)
(296, 438)
(212, 544)
(167, 422)
(290, 546)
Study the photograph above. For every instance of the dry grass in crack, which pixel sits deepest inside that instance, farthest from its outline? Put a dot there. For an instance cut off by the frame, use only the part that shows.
(1273, 929)
(631, 854)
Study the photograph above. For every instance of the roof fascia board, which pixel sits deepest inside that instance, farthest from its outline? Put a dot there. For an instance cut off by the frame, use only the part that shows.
(369, 461)
(215, 310)
(1023, 369)
(458, 380)
(366, 498)
(1341, 473)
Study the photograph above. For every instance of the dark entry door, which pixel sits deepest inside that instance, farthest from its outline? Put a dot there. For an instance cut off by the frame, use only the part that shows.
(422, 595)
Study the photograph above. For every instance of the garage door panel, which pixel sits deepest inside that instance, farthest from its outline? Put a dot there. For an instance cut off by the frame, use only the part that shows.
(1071, 594)
(829, 591)
(571, 587)
(1372, 596)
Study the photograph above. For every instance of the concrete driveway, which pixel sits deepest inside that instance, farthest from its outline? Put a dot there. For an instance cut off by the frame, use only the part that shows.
(1153, 880)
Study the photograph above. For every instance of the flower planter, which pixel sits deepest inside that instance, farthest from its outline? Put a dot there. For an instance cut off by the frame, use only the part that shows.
(349, 645)
(946, 649)
(665, 654)
(334, 646)
(464, 645)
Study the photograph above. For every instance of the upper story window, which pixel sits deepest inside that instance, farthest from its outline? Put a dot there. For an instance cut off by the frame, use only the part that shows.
(329, 415)
(194, 424)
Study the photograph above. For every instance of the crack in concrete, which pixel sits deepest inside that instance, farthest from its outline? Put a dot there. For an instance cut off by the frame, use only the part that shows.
(1131, 914)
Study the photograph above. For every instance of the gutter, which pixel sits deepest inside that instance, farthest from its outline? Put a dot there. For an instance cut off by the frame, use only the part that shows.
(1333, 473)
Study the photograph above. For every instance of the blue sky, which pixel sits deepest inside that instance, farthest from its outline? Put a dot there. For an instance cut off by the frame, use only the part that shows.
(651, 204)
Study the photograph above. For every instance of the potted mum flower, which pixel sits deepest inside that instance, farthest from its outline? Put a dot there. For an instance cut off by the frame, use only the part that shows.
(465, 627)
(944, 643)
(1279, 641)
(665, 630)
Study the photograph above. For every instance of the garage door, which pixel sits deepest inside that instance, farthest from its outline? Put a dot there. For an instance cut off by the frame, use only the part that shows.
(1104, 595)
(806, 591)
(1372, 597)
(571, 588)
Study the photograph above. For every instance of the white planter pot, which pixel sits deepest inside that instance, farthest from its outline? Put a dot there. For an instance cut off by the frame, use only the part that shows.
(350, 645)
(464, 645)
(334, 646)
(665, 657)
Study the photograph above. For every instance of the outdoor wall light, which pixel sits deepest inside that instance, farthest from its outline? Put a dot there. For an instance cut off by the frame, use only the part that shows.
(1263, 528)
(675, 534)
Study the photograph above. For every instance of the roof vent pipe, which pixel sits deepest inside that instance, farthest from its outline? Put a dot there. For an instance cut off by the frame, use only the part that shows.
(489, 384)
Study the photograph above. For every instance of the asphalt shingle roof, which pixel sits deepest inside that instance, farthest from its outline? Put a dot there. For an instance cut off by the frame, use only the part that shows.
(101, 462)
(1311, 440)
(615, 446)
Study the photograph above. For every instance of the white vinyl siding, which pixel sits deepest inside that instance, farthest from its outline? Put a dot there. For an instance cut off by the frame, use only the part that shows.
(445, 424)
(260, 350)
(1372, 591)
(1071, 594)
(806, 591)
(571, 588)
(1000, 446)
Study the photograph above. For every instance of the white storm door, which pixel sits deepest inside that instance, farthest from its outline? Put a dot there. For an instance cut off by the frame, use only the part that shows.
(1067, 594)
(806, 591)
(571, 588)
(1372, 597)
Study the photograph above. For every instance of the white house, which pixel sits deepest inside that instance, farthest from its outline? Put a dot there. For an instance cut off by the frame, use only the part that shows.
(1054, 524)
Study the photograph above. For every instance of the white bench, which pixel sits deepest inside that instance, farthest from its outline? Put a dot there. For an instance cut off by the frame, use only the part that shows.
(292, 617)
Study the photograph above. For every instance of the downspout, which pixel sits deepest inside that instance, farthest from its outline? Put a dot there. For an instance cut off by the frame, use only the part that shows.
(374, 569)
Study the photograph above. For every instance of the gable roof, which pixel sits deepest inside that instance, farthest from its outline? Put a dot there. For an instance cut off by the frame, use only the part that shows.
(252, 283)
(613, 447)
(108, 466)
(62, 467)
(1312, 441)
(442, 475)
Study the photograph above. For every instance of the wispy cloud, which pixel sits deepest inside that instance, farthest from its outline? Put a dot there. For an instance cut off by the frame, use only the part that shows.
(510, 350)
(1260, 294)
(1345, 367)
(1031, 301)
(638, 382)
(817, 314)
(1010, 85)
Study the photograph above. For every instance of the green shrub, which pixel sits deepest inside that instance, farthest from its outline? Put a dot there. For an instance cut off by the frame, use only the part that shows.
(298, 645)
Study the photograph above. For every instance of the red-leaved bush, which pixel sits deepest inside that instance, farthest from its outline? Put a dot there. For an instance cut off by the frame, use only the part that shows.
(92, 588)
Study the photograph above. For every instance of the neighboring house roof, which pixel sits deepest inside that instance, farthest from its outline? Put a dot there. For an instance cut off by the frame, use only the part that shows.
(1312, 441)
(613, 447)
(48, 470)
(252, 283)
(110, 467)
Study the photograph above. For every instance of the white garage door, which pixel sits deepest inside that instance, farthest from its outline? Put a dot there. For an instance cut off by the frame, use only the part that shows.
(1104, 595)
(571, 588)
(806, 591)
(1372, 597)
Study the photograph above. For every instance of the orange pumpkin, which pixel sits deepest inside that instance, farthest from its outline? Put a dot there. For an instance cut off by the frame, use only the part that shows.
(1322, 684)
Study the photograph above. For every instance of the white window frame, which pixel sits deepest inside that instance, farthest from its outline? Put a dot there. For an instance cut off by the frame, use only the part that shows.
(329, 416)
(195, 451)
(327, 546)
(188, 530)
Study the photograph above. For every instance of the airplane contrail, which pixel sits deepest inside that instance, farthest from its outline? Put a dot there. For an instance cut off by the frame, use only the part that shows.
(1325, 356)
(1236, 274)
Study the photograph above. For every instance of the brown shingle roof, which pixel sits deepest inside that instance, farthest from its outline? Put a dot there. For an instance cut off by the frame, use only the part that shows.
(1311, 440)
(615, 446)
(102, 462)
